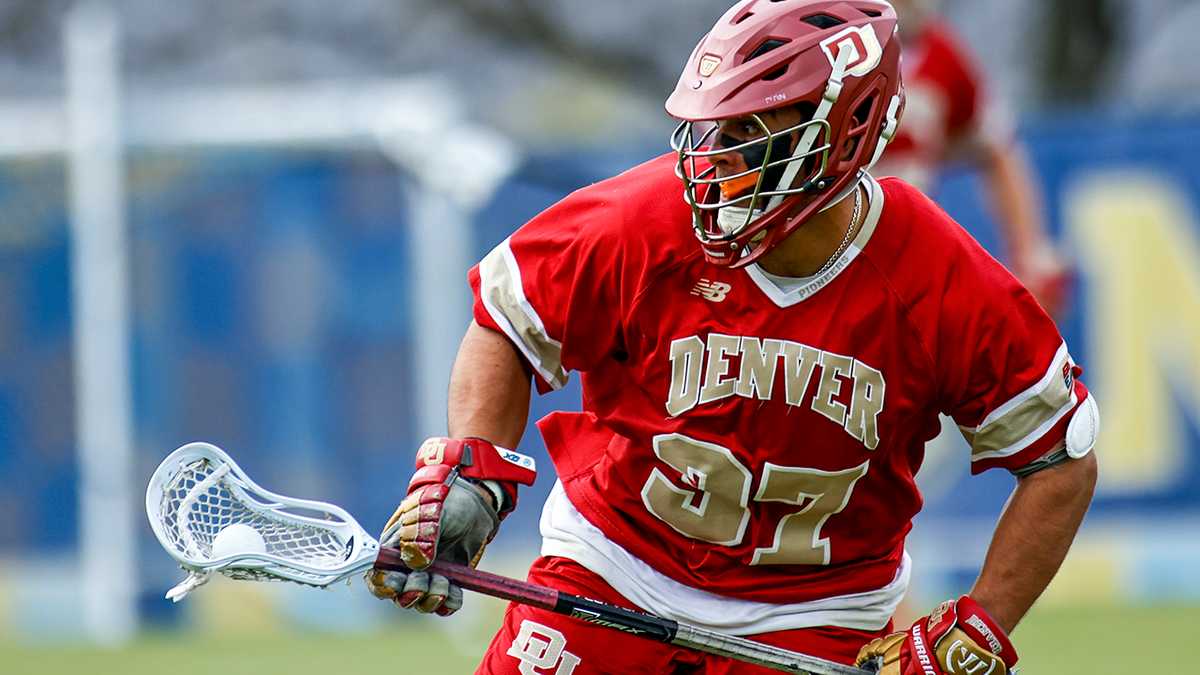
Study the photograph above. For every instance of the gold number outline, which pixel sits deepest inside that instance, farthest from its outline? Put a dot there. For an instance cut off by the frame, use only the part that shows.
(722, 514)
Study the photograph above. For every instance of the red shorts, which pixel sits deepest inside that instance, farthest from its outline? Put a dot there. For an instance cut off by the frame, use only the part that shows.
(537, 642)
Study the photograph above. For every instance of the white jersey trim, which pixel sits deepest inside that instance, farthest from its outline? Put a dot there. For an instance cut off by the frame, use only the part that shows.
(510, 277)
(1052, 378)
(801, 289)
(566, 533)
(1036, 389)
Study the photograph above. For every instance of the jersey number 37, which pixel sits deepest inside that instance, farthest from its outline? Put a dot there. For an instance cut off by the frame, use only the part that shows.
(715, 504)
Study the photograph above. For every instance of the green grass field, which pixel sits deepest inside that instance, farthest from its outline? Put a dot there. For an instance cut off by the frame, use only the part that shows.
(1092, 641)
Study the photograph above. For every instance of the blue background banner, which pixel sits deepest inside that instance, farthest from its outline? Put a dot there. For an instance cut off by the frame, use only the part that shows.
(271, 317)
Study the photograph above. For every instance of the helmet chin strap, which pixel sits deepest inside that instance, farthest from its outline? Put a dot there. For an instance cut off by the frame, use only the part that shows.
(846, 192)
(731, 219)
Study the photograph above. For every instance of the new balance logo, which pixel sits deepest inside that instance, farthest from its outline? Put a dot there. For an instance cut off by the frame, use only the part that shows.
(711, 290)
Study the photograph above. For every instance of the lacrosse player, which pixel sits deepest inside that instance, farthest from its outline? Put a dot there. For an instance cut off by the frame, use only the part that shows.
(765, 336)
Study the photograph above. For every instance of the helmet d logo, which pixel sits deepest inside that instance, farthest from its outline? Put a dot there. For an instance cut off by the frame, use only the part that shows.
(865, 51)
(709, 64)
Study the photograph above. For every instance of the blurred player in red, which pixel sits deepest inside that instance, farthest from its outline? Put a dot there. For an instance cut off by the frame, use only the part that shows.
(765, 336)
(952, 117)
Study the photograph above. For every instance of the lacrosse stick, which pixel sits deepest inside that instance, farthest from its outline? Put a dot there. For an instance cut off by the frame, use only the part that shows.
(200, 504)
(210, 517)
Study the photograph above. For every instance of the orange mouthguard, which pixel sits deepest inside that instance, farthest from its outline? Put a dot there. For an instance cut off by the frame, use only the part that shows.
(735, 186)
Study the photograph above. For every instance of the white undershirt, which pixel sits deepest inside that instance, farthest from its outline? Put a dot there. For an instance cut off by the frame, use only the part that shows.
(786, 284)
(566, 533)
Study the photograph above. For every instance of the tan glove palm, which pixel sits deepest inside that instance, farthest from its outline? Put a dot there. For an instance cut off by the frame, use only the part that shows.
(886, 652)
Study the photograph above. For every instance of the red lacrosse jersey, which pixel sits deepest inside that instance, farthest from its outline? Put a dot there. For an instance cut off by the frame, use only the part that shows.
(947, 113)
(761, 443)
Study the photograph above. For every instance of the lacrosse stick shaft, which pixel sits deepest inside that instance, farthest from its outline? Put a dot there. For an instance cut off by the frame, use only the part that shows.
(629, 621)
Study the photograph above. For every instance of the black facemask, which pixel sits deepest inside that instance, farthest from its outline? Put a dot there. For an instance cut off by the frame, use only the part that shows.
(756, 155)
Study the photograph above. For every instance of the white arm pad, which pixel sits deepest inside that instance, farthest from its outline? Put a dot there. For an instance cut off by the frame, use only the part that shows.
(1083, 429)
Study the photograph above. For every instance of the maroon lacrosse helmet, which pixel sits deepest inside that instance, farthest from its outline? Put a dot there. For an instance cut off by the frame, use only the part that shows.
(838, 61)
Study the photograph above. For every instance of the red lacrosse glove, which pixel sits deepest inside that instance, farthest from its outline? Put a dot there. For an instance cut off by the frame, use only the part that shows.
(958, 638)
(452, 522)
(456, 499)
(434, 515)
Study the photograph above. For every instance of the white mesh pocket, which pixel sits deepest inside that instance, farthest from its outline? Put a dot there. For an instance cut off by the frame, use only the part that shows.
(199, 491)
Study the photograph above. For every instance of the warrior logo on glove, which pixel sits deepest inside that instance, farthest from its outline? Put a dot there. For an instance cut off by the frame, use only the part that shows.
(958, 638)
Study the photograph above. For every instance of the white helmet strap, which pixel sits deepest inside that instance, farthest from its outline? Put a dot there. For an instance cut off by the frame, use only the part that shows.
(889, 130)
(832, 90)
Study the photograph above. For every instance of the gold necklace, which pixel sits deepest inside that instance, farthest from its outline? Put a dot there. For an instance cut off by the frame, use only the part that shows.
(850, 230)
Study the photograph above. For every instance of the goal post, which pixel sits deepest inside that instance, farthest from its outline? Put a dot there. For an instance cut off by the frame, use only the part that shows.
(410, 120)
(100, 319)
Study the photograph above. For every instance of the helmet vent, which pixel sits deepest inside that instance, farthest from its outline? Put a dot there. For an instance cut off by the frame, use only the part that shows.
(871, 13)
(743, 17)
(823, 21)
(765, 47)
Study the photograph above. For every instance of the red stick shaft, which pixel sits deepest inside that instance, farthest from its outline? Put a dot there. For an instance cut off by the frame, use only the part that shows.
(479, 581)
(629, 621)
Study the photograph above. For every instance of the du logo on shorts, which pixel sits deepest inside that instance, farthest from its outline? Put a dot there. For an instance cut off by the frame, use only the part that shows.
(542, 647)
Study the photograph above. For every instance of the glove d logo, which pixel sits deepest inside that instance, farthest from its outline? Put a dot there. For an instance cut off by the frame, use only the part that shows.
(935, 617)
(541, 647)
(432, 451)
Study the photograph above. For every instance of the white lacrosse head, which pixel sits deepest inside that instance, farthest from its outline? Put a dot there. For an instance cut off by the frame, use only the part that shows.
(199, 491)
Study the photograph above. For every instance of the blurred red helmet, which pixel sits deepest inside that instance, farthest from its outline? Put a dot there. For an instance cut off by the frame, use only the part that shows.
(838, 61)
